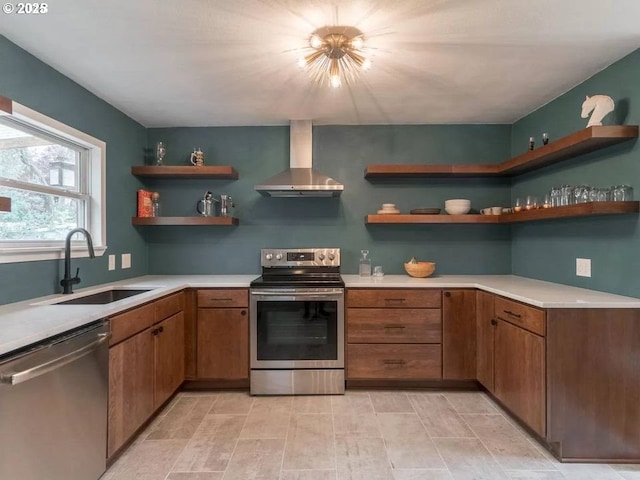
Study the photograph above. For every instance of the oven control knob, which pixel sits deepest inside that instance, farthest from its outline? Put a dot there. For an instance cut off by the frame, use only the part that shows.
(279, 256)
(268, 256)
(321, 256)
(332, 257)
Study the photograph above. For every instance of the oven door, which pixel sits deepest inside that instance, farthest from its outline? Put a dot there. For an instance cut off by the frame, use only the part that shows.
(297, 328)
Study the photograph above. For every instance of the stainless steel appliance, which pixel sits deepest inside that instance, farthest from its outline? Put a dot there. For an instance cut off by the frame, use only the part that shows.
(297, 323)
(53, 407)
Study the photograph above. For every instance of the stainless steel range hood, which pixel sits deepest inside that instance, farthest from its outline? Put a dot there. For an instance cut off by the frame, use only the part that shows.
(300, 180)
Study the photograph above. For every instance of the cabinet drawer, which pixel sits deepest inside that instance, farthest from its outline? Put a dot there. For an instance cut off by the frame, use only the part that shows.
(218, 298)
(170, 305)
(394, 361)
(524, 316)
(394, 325)
(129, 323)
(394, 298)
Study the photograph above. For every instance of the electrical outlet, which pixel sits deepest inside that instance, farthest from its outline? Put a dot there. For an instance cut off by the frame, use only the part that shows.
(583, 267)
(112, 262)
(126, 260)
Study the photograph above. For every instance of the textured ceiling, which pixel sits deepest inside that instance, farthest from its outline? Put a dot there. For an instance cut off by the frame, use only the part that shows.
(233, 62)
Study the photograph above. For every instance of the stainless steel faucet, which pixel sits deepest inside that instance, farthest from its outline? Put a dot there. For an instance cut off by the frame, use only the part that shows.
(67, 282)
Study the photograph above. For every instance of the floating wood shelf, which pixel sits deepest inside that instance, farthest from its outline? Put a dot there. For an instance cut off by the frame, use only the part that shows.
(580, 210)
(5, 204)
(221, 221)
(578, 143)
(178, 171)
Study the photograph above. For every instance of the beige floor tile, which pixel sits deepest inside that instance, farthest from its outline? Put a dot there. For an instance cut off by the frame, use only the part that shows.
(468, 459)
(391, 402)
(438, 415)
(195, 476)
(352, 402)
(312, 404)
(272, 404)
(232, 403)
(470, 402)
(266, 424)
(310, 443)
(183, 419)
(586, 471)
(354, 453)
(308, 475)
(356, 425)
(149, 460)
(429, 474)
(509, 447)
(535, 475)
(365, 474)
(212, 444)
(256, 459)
(407, 442)
(628, 472)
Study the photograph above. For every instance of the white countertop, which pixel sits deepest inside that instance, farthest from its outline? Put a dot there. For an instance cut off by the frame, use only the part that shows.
(31, 321)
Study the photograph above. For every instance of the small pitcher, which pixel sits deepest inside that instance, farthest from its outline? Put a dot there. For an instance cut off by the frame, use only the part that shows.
(205, 206)
(197, 157)
(226, 204)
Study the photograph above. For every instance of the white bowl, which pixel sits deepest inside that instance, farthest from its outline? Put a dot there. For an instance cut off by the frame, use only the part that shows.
(457, 209)
(388, 206)
(458, 201)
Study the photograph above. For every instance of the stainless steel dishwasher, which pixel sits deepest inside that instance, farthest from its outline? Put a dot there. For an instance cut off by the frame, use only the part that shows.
(53, 408)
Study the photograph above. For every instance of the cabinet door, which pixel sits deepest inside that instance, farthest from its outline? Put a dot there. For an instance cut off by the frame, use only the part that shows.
(130, 387)
(519, 373)
(485, 338)
(459, 334)
(223, 343)
(169, 357)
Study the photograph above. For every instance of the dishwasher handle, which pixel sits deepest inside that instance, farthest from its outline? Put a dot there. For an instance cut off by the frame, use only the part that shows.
(15, 378)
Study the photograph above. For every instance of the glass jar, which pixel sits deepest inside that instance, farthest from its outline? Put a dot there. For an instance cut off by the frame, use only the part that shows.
(365, 264)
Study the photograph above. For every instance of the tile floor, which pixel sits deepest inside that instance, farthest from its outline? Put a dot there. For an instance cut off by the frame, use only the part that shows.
(376, 435)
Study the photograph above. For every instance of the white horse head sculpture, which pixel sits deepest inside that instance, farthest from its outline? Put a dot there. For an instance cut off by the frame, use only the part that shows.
(600, 105)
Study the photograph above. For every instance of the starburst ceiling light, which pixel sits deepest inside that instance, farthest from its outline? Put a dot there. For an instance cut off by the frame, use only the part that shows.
(337, 54)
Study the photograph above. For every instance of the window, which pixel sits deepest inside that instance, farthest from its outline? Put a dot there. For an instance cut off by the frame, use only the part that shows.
(54, 176)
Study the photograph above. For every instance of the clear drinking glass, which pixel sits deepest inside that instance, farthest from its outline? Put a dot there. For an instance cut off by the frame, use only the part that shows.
(566, 197)
(546, 203)
(531, 202)
(617, 193)
(518, 205)
(555, 196)
(603, 195)
(627, 193)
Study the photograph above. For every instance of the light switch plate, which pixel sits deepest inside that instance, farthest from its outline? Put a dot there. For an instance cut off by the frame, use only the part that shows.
(112, 262)
(583, 267)
(126, 260)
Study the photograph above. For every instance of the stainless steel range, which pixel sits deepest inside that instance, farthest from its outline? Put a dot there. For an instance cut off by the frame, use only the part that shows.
(297, 323)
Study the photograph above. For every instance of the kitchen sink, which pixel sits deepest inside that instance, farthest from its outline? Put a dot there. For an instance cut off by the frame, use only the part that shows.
(101, 298)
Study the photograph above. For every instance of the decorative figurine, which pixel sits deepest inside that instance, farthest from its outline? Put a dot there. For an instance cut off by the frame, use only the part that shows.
(161, 151)
(545, 138)
(599, 106)
(197, 157)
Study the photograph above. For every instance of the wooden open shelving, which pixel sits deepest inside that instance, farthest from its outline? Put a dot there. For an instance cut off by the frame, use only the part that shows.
(5, 204)
(179, 171)
(219, 221)
(569, 211)
(577, 143)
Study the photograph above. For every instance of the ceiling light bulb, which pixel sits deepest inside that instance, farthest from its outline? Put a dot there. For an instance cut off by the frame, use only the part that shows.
(366, 65)
(335, 81)
(357, 43)
(302, 62)
(315, 41)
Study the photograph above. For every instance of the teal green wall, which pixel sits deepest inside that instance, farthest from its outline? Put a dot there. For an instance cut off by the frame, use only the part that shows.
(29, 81)
(341, 152)
(547, 250)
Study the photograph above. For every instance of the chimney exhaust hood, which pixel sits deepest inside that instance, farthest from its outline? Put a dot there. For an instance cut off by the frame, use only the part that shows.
(300, 180)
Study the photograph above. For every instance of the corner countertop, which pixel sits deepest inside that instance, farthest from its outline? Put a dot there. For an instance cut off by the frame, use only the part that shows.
(31, 321)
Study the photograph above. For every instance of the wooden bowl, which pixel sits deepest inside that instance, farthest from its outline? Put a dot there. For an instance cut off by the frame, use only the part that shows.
(420, 269)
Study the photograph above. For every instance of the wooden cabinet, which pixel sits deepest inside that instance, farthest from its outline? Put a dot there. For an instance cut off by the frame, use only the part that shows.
(393, 335)
(130, 387)
(223, 335)
(459, 334)
(520, 373)
(146, 365)
(485, 326)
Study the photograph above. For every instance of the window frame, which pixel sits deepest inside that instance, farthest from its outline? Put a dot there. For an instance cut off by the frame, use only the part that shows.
(95, 172)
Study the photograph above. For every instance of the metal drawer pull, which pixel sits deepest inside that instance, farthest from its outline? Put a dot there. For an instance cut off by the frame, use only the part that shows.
(395, 299)
(214, 299)
(509, 312)
(394, 362)
(394, 326)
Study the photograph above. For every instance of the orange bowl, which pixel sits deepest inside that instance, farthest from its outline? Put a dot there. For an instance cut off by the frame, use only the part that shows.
(420, 269)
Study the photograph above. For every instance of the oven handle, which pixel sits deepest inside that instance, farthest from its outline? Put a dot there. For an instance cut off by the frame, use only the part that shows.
(339, 293)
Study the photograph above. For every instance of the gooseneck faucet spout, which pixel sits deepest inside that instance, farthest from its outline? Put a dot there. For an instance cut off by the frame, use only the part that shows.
(67, 282)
